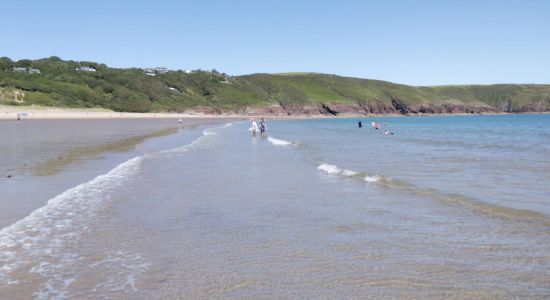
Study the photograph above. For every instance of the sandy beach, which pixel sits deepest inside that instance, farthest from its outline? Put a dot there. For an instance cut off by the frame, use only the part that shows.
(40, 113)
(60, 113)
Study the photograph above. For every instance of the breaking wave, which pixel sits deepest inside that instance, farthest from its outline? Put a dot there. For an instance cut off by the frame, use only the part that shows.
(47, 240)
(205, 134)
(279, 142)
(333, 169)
(450, 198)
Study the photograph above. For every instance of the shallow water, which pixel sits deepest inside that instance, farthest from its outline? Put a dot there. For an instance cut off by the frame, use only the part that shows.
(448, 207)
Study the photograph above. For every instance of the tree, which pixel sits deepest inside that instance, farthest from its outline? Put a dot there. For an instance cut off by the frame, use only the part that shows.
(23, 63)
(5, 64)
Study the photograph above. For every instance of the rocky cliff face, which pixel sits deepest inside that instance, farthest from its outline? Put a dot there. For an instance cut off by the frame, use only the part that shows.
(397, 107)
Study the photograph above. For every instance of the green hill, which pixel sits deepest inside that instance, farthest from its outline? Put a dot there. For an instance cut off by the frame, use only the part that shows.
(59, 83)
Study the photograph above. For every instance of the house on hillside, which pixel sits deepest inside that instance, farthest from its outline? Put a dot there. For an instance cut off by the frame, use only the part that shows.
(154, 71)
(149, 71)
(34, 71)
(20, 70)
(85, 69)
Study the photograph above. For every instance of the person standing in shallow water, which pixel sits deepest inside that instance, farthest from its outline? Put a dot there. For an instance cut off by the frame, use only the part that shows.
(263, 127)
(254, 127)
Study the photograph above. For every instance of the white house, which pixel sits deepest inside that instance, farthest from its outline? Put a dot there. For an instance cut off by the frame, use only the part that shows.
(85, 69)
(22, 70)
(34, 71)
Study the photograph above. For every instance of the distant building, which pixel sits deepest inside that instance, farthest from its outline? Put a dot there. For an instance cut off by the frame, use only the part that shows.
(154, 71)
(173, 89)
(21, 70)
(85, 69)
(34, 71)
(187, 71)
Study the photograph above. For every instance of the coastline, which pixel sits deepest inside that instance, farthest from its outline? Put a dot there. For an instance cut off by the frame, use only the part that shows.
(85, 148)
(60, 113)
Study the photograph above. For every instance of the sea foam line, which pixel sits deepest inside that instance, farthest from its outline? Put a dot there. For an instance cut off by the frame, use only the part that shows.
(42, 241)
(53, 230)
(279, 142)
(451, 198)
(205, 134)
(333, 169)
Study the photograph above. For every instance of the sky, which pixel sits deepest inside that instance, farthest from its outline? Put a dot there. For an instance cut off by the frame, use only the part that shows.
(424, 42)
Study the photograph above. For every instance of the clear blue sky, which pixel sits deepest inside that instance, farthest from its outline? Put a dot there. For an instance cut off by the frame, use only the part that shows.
(413, 42)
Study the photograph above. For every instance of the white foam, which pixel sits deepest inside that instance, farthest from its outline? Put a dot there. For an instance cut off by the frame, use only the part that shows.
(371, 178)
(279, 142)
(113, 264)
(349, 173)
(205, 133)
(333, 169)
(41, 243)
(330, 169)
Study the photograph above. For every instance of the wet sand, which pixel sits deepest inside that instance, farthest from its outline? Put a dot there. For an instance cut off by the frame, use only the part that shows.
(35, 152)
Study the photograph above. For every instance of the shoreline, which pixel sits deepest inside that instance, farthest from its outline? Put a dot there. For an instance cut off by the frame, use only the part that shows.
(56, 113)
(83, 158)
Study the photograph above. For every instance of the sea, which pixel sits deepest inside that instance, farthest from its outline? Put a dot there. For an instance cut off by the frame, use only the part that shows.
(438, 207)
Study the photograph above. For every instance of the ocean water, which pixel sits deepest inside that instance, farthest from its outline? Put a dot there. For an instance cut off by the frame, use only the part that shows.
(446, 207)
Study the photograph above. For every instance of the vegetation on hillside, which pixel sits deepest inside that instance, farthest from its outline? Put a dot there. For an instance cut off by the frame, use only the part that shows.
(59, 83)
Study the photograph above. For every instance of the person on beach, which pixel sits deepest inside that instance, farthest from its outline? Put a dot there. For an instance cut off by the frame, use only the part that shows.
(180, 122)
(359, 124)
(375, 125)
(254, 127)
(263, 127)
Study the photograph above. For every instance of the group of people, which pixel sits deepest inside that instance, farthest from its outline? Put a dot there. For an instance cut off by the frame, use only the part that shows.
(375, 125)
(263, 126)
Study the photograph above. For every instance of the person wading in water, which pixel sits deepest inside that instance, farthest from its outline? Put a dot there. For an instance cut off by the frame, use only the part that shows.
(263, 127)
(254, 127)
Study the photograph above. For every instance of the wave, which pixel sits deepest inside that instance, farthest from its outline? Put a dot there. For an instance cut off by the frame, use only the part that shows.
(46, 241)
(279, 142)
(226, 125)
(333, 169)
(451, 198)
(205, 134)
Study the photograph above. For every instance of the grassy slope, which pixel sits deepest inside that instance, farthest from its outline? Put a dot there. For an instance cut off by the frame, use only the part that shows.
(314, 88)
(131, 90)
